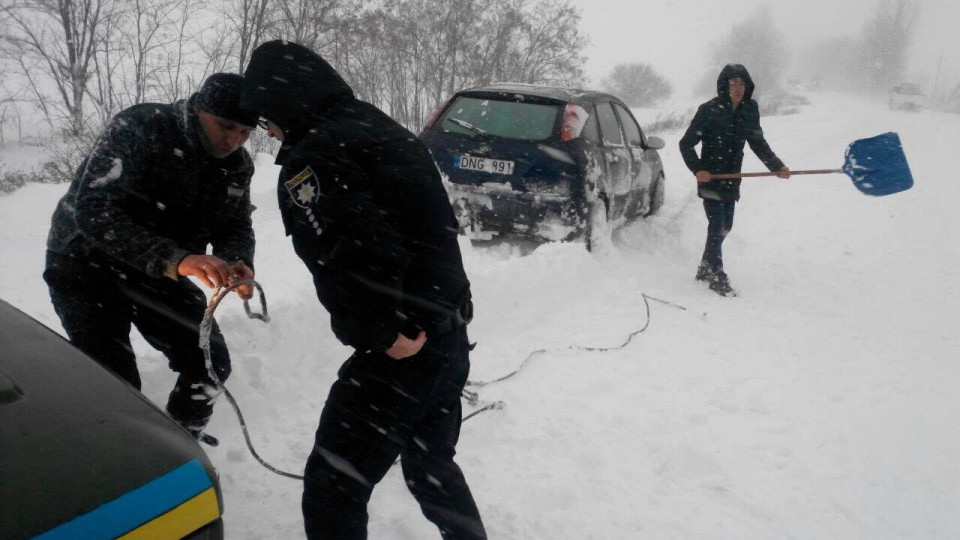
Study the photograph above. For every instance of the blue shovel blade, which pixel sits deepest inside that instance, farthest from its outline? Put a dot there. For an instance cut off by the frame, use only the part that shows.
(878, 166)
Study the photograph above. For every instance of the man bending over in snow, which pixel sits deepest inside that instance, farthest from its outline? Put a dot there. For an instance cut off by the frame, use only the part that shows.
(162, 182)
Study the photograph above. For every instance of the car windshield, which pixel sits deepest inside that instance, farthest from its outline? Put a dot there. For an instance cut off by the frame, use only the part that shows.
(493, 118)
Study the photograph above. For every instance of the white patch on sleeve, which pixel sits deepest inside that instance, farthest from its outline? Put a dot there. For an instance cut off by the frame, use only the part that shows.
(111, 175)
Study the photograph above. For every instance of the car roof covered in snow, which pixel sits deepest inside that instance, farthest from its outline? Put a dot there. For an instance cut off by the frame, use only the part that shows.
(74, 436)
(559, 93)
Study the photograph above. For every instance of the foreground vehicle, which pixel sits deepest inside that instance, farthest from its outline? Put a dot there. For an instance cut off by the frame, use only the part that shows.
(544, 163)
(85, 455)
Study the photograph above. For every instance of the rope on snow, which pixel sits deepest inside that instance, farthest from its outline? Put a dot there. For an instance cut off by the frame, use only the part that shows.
(474, 397)
(206, 326)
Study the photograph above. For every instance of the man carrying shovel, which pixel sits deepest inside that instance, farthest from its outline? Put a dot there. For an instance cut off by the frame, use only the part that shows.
(722, 125)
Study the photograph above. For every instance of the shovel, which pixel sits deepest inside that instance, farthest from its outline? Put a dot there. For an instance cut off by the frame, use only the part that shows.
(876, 165)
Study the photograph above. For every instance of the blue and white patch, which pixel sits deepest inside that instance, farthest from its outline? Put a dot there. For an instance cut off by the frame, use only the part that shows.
(304, 188)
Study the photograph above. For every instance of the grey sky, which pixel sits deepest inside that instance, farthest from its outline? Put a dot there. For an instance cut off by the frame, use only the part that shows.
(673, 35)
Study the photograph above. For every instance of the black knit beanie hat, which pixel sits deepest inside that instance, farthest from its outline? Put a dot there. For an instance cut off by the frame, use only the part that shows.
(220, 96)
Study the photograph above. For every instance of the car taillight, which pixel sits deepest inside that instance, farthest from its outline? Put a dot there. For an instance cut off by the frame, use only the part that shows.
(574, 118)
(436, 114)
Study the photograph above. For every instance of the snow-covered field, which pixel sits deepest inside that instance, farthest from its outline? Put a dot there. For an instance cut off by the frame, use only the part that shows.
(822, 402)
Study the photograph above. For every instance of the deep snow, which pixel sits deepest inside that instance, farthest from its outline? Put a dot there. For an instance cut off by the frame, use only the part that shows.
(820, 403)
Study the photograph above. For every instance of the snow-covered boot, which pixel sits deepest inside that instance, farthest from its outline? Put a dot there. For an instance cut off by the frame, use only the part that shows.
(720, 284)
(198, 434)
(209, 439)
(705, 272)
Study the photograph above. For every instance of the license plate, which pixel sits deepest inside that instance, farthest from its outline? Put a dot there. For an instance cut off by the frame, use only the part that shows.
(487, 165)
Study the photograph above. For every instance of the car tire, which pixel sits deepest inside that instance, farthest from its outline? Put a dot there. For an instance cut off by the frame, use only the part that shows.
(212, 531)
(657, 194)
(598, 229)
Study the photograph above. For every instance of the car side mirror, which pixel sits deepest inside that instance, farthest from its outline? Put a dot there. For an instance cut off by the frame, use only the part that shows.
(655, 143)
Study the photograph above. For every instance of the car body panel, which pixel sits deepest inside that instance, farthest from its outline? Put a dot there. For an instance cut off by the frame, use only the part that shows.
(81, 446)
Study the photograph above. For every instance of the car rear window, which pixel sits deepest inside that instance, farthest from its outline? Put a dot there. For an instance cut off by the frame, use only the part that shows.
(506, 119)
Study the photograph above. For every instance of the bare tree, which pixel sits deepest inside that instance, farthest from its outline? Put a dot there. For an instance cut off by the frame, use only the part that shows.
(3, 121)
(171, 83)
(637, 84)
(58, 39)
(216, 46)
(408, 56)
(502, 26)
(307, 22)
(145, 42)
(756, 43)
(106, 88)
(550, 47)
(885, 43)
(249, 21)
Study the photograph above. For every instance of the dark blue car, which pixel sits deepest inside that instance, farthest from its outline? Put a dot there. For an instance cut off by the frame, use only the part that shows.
(544, 163)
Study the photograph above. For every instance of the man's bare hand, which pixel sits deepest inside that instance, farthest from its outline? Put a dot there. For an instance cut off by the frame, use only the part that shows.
(703, 176)
(405, 347)
(783, 173)
(212, 271)
(240, 272)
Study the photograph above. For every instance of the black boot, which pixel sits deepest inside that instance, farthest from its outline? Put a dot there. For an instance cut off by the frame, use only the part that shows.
(720, 284)
(705, 272)
(191, 406)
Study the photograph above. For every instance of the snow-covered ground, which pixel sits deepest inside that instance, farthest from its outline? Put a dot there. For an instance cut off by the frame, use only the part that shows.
(821, 403)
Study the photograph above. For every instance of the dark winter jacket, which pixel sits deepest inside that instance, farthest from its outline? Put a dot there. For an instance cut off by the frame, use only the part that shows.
(149, 194)
(723, 130)
(362, 199)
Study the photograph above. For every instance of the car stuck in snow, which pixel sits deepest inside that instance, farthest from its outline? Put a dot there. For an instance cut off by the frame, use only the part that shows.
(544, 163)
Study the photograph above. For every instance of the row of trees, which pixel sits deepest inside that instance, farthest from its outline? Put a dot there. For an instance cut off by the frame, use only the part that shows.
(873, 61)
(637, 84)
(81, 61)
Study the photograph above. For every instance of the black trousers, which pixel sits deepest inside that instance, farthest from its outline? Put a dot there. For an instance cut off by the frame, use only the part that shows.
(378, 409)
(720, 222)
(98, 301)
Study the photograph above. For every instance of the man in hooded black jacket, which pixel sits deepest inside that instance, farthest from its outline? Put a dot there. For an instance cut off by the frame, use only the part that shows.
(161, 183)
(723, 125)
(368, 215)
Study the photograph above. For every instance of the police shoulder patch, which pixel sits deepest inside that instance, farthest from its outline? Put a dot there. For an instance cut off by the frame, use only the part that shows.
(304, 188)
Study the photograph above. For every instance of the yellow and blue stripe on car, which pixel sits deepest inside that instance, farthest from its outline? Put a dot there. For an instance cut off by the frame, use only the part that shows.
(170, 506)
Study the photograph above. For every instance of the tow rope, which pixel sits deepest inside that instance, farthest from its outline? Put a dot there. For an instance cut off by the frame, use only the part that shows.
(206, 326)
(473, 398)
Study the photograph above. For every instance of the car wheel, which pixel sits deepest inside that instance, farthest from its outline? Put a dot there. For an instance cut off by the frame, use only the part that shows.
(656, 195)
(212, 531)
(598, 230)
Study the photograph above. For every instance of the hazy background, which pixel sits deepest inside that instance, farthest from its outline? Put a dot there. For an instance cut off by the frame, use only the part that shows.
(676, 36)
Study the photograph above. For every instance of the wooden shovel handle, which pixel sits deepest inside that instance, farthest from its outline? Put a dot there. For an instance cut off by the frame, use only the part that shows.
(753, 174)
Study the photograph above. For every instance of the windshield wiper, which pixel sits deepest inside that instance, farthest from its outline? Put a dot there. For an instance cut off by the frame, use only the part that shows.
(467, 125)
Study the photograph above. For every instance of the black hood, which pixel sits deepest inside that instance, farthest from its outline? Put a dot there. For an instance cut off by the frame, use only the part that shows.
(731, 71)
(288, 84)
